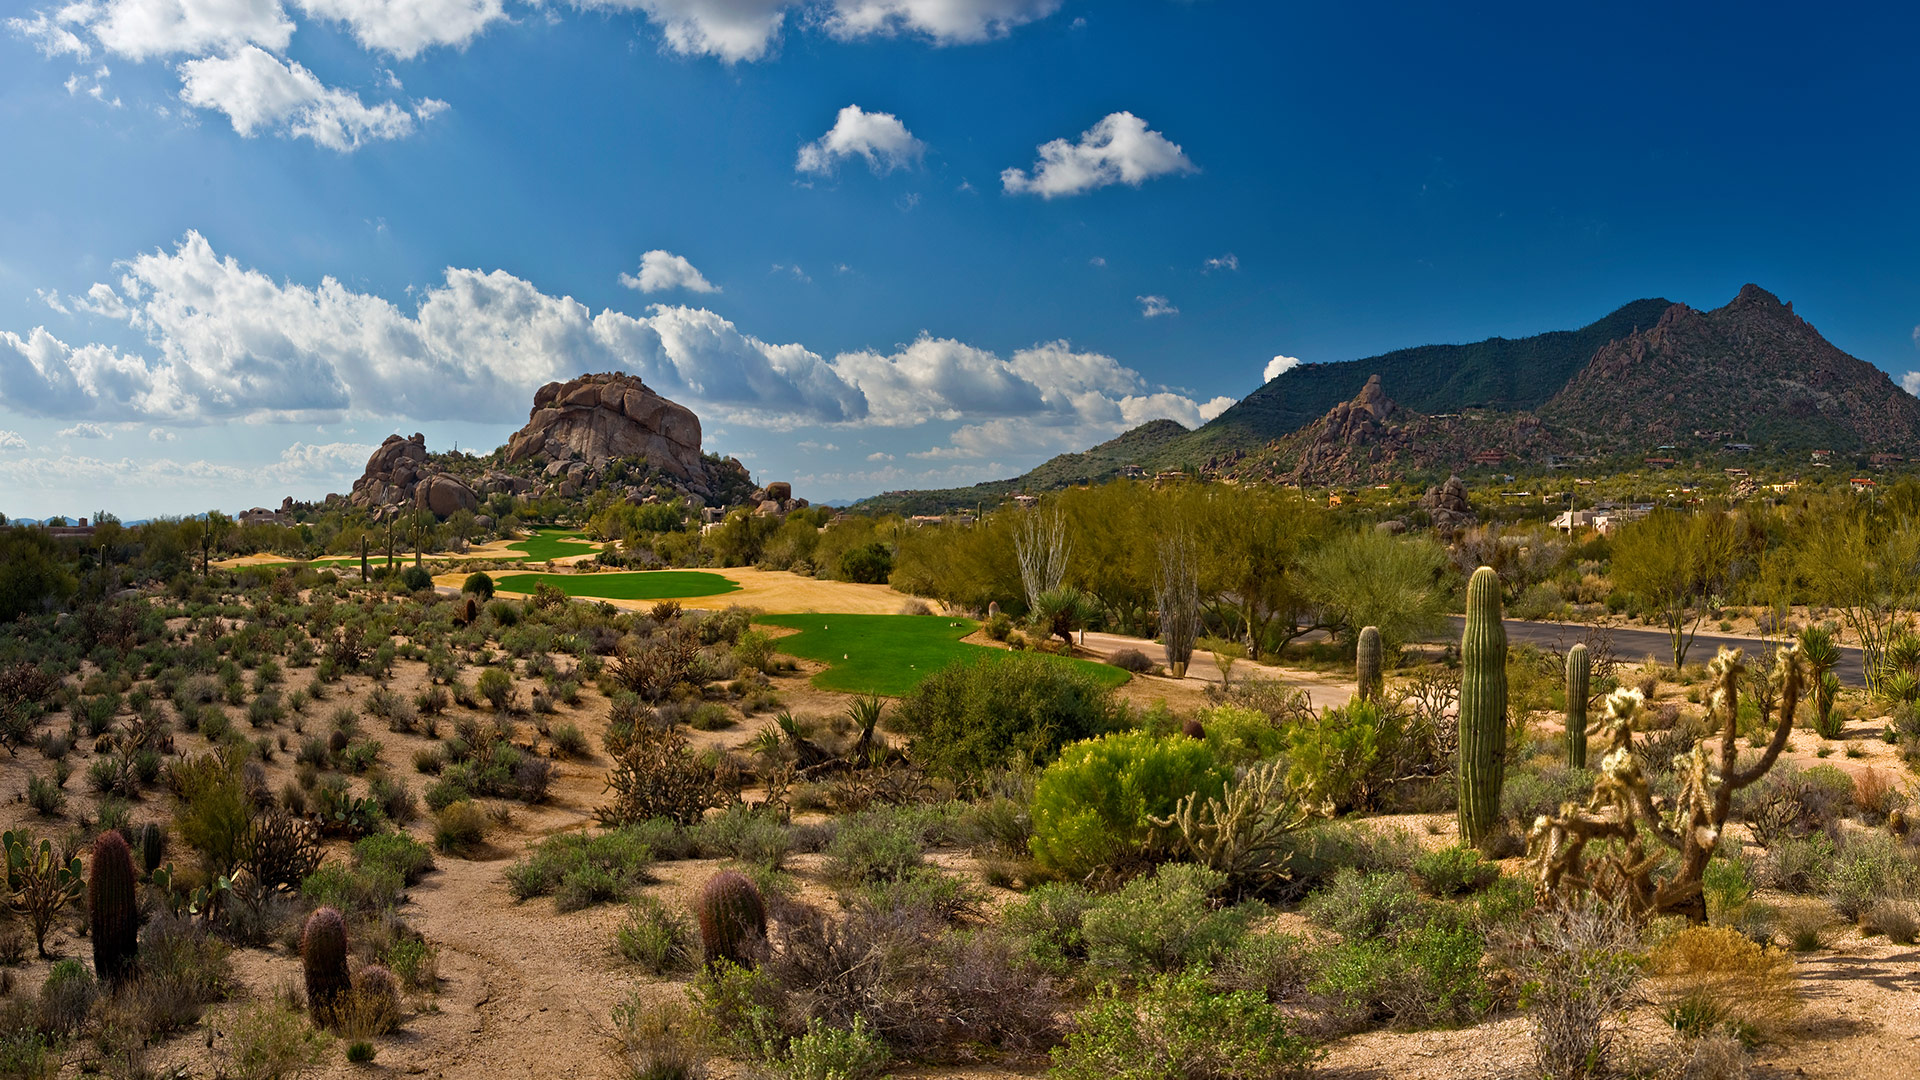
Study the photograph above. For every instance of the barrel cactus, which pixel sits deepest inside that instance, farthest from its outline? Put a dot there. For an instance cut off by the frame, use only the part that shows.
(1483, 708)
(733, 918)
(113, 908)
(1366, 664)
(1578, 671)
(323, 960)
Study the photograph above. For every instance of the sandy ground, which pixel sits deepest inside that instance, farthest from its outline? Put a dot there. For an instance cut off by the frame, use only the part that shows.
(492, 549)
(774, 592)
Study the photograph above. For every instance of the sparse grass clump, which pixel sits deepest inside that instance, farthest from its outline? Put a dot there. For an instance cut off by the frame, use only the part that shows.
(580, 870)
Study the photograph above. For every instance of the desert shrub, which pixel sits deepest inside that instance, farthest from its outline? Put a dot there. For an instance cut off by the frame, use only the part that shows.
(1161, 923)
(1178, 1028)
(581, 870)
(568, 742)
(872, 848)
(1277, 966)
(657, 1041)
(1797, 864)
(1898, 919)
(1578, 965)
(655, 775)
(182, 970)
(1131, 660)
(460, 827)
(478, 585)
(214, 808)
(968, 720)
(1241, 735)
(397, 852)
(1451, 871)
(754, 650)
(1093, 808)
(267, 1041)
(363, 890)
(495, 685)
(1361, 906)
(66, 997)
(1709, 979)
(1315, 855)
(416, 579)
(1341, 758)
(1529, 793)
(46, 797)
(1429, 974)
(744, 834)
(659, 940)
(1048, 920)
(1869, 866)
(831, 1053)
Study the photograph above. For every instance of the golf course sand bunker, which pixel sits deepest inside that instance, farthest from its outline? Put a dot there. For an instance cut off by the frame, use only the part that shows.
(891, 654)
(770, 591)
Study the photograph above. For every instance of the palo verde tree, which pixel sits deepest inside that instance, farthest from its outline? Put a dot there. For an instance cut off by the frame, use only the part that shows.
(1674, 563)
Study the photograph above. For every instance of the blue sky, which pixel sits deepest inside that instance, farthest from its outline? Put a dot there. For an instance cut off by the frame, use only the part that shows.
(874, 243)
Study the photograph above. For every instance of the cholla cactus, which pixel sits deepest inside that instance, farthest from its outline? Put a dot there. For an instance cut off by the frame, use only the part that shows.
(1623, 809)
(1241, 835)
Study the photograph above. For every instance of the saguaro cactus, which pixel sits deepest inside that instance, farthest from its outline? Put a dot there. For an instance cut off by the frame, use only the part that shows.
(323, 960)
(1483, 708)
(1578, 671)
(113, 908)
(1366, 664)
(732, 917)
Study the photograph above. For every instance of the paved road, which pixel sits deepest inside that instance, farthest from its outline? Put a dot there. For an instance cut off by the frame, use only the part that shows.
(1632, 646)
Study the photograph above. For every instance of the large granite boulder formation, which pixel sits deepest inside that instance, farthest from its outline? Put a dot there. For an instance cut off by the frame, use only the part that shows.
(400, 475)
(1448, 505)
(596, 418)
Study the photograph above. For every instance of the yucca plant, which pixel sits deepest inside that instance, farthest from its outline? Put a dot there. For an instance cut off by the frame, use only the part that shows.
(1817, 648)
(1059, 612)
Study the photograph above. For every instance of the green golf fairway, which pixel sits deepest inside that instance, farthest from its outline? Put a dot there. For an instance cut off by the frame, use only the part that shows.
(554, 544)
(638, 585)
(891, 654)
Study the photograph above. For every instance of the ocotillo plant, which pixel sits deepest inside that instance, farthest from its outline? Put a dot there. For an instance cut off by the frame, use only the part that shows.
(1578, 670)
(1366, 664)
(113, 908)
(732, 918)
(1483, 708)
(323, 960)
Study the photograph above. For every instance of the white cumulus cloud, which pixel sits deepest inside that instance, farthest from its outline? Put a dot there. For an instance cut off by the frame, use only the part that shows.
(230, 342)
(161, 435)
(1229, 261)
(1910, 382)
(139, 29)
(663, 270)
(946, 22)
(11, 440)
(1153, 307)
(732, 30)
(878, 137)
(1118, 150)
(84, 430)
(406, 28)
(1279, 366)
(260, 93)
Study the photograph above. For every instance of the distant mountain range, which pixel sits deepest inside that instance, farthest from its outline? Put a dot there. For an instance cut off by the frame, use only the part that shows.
(1652, 373)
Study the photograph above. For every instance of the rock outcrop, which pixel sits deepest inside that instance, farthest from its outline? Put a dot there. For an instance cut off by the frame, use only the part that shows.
(1447, 504)
(776, 499)
(596, 418)
(399, 475)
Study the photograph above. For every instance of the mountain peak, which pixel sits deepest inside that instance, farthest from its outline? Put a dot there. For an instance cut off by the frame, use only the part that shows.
(1752, 295)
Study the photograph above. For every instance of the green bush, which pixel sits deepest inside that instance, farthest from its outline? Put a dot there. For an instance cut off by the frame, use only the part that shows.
(581, 870)
(1339, 758)
(970, 720)
(1165, 922)
(496, 686)
(1454, 870)
(868, 850)
(659, 940)
(1431, 974)
(1363, 907)
(1240, 735)
(1178, 1028)
(832, 1053)
(1092, 808)
(365, 890)
(394, 851)
(479, 585)
(416, 579)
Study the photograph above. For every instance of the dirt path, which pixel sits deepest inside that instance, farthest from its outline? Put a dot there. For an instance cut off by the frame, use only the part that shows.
(1202, 669)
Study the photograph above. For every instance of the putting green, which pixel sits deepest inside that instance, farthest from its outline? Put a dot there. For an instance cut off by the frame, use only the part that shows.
(891, 654)
(549, 544)
(637, 585)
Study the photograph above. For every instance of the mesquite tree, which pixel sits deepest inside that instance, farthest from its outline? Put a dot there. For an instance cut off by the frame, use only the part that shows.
(1622, 808)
